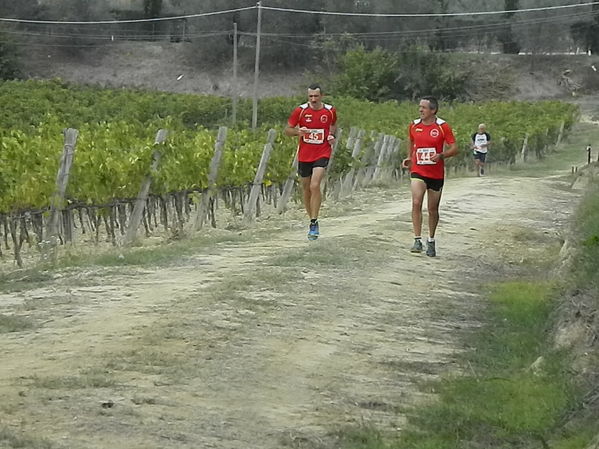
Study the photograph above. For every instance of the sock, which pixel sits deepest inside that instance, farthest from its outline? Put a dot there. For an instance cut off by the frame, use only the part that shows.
(431, 239)
(418, 238)
(314, 220)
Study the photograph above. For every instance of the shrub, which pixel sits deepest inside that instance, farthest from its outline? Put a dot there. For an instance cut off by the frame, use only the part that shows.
(9, 59)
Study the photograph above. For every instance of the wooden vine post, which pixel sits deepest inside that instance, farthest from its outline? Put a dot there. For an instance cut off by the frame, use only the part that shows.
(142, 197)
(250, 206)
(388, 142)
(202, 212)
(58, 198)
(325, 181)
(347, 182)
(288, 187)
(524, 151)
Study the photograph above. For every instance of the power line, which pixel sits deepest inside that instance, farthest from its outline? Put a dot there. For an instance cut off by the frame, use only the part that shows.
(400, 33)
(449, 14)
(105, 22)
(298, 11)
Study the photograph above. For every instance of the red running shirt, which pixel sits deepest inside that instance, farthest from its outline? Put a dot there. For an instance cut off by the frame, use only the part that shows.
(426, 141)
(314, 146)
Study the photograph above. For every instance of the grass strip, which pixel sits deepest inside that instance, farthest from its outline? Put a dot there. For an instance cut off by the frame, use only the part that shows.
(510, 396)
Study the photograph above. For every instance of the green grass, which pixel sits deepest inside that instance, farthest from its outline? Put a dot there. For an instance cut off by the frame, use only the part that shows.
(570, 153)
(14, 323)
(162, 254)
(335, 252)
(11, 281)
(92, 378)
(11, 439)
(587, 220)
(44, 273)
(501, 402)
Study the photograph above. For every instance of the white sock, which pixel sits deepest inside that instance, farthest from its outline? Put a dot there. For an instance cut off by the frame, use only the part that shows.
(431, 239)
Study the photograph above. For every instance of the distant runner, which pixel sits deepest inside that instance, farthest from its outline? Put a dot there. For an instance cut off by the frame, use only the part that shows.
(481, 141)
(429, 136)
(314, 123)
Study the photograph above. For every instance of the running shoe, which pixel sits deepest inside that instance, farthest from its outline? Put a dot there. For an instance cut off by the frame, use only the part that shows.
(313, 232)
(430, 249)
(482, 172)
(417, 247)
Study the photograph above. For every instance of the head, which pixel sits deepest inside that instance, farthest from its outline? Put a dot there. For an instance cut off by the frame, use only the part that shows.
(482, 128)
(428, 107)
(315, 95)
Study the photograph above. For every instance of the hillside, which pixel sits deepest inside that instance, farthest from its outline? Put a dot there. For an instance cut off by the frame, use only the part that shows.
(172, 67)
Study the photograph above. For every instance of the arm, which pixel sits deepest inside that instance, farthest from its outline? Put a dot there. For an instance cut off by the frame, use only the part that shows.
(488, 141)
(332, 134)
(292, 128)
(295, 130)
(407, 162)
(449, 151)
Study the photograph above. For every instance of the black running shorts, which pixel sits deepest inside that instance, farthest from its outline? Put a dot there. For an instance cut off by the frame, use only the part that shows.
(432, 184)
(305, 168)
(480, 156)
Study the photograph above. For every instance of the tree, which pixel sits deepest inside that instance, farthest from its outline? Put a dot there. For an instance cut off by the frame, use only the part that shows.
(9, 59)
(506, 37)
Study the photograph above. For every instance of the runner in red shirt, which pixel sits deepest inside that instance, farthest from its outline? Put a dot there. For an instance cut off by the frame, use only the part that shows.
(431, 142)
(314, 123)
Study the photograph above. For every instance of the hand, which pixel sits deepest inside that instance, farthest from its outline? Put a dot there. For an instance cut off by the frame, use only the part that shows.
(303, 131)
(437, 157)
(331, 137)
(406, 163)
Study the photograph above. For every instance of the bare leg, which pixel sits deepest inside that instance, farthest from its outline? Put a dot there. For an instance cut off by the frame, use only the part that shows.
(315, 193)
(418, 188)
(312, 194)
(433, 200)
(307, 195)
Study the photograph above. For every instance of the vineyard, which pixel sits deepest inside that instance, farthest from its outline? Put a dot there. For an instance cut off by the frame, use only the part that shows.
(116, 147)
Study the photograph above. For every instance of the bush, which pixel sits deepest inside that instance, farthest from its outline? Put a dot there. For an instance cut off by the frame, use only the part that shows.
(368, 75)
(380, 75)
(9, 59)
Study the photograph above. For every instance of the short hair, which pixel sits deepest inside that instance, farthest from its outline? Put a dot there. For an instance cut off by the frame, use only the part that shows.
(482, 125)
(315, 86)
(433, 102)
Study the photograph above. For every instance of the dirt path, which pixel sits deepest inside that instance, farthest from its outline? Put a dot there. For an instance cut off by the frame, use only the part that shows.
(273, 341)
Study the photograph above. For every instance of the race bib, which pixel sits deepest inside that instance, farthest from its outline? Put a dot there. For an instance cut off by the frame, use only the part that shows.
(315, 136)
(423, 156)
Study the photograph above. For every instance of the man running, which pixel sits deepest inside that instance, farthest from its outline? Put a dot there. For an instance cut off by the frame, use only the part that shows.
(314, 123)
(431, 142)
(481, 141)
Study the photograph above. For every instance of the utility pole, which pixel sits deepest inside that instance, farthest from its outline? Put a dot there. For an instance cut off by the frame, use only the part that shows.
(256, 68)
(235, 86)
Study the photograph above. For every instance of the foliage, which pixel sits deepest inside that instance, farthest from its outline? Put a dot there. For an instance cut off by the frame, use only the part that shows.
(380, 75)
(587, 227)
(500, 402)
(368, 75)
(9, 59)
(117, 127)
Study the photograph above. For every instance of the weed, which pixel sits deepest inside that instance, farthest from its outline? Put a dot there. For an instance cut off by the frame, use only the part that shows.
(14, 323)
(12, 440)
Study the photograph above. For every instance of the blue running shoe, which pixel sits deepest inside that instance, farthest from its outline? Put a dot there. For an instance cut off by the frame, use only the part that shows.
(313, 232)
(430, 249)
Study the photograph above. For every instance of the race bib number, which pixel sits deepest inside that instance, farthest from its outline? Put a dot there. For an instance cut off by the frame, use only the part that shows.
(423, 156)
(315, 136)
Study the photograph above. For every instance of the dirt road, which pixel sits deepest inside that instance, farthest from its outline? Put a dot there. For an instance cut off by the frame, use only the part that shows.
(269, 340)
